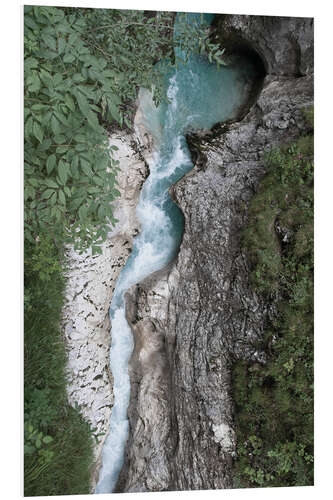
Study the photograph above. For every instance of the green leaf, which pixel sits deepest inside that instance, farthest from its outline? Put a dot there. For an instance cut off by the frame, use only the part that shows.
(59, 139)
(68, 58)
(77, 77)
(46, 77)
(97, 180)
(51, 183)
(38, 132)
(45, 145)
(47, 194)
(82, 212)
(62, 197)
(47, 439)
(28, 127)
(55, 125)
(62, 149)
(50, 42)
(80, 138)
(29, 192)
(62, 118)
(28, 21)
(69, 102)
(73, 38)
(63, 171)
(101, 211)
(38, 107)
(50, 163)
(81, 147)
(85, 165)
(77, 202)
(75, 168)
(53, 199)
(96, 250)
(61, 45)
(85, 110)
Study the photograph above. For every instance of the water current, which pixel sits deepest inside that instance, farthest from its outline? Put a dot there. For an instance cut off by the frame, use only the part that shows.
(199, 95)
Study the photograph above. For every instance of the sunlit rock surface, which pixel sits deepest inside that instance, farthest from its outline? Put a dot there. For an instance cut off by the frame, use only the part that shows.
(90, 285)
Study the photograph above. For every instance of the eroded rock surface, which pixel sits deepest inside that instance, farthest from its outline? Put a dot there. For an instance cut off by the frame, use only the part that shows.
(90, 285)
(284, 44)
(192, 319)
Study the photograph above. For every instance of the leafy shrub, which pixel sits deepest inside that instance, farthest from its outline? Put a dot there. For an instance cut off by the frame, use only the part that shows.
(274, 404)
(57, 441)
(82, 71)
(69, 173)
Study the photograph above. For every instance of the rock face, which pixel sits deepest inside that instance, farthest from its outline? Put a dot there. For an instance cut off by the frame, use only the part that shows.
(284, 44)
(192, 319)
(90, 284)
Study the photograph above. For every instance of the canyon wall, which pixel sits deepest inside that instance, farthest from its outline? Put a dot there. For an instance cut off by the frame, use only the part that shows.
(193, 319)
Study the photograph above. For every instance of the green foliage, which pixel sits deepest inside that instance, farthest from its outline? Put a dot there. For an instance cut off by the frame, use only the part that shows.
(69, 173)
(274, 401)
(83, 68)
(284, 200)
(57, 441)
(130, 42)
(194, 36)
(38, 445)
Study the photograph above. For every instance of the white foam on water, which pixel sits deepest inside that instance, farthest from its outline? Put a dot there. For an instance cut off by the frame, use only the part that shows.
(151, 251)
(113, 450)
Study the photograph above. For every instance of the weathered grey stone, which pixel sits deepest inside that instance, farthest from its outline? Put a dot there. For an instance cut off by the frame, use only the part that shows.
(192, 319)
(285, 44)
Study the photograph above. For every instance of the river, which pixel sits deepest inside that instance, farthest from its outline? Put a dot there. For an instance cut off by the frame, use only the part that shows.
(200, 95)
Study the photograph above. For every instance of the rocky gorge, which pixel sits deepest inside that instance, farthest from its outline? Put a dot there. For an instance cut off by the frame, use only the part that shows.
(192, 319)
(90, 285)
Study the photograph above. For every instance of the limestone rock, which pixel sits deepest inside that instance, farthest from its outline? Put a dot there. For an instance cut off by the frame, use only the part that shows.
(285, 44)
(90, 284)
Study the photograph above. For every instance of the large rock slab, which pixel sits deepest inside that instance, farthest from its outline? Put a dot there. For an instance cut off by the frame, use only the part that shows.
(191, 320)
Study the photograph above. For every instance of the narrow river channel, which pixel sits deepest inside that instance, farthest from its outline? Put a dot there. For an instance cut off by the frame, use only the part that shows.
(200, 95)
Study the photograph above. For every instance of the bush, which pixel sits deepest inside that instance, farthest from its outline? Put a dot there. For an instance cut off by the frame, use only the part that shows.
(58, 442)
(274, 404)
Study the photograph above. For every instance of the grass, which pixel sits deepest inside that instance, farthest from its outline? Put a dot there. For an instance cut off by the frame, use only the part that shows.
(58, 449)
(274, 401)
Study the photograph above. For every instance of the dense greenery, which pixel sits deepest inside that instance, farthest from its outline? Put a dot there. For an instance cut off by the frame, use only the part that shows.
(82, 70)
(58, 442)
(274, 401)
